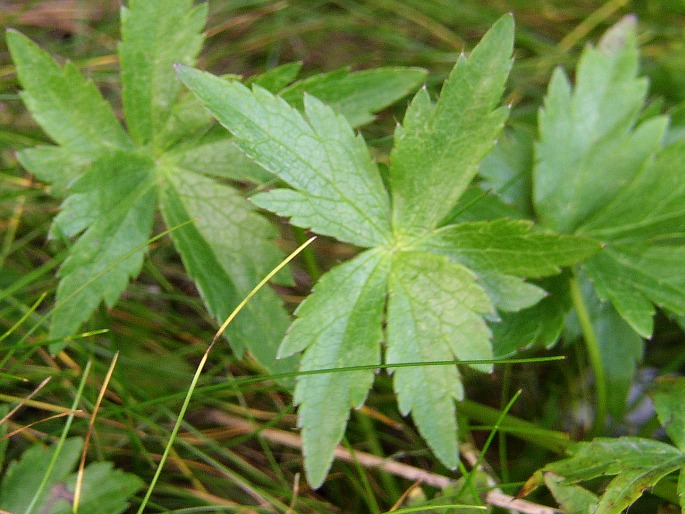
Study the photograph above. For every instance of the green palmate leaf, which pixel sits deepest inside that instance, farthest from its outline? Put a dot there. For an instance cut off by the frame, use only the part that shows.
(438, 148)
(119, 193)
(155, 35)
(227, 251)
(636, 463)
(111, 186)
(358, 95)
(68, 107)
(589, 147)
(437, 305)
(339, 325)
(597, 175)
(339, 191)
(434, 314)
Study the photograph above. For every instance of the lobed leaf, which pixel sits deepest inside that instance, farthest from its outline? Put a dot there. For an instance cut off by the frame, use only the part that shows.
(438, 149)
(338, 325)
(155, 35)
(435, 311)
(337, 188)
(68, 107)
(111, 250)
(589, 145)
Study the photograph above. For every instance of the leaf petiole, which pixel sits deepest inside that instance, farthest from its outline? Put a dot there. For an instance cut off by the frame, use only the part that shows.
(594, 354)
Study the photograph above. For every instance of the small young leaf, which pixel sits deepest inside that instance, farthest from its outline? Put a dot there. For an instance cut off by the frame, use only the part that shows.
(338, 325)
(571, 498)
(68, 107)
(216, 154)
(155, 35)
(435, 313)
(436, 155)
(277, 78)
(509, 293)
(541, 324)
(357, 95)
(339, 191)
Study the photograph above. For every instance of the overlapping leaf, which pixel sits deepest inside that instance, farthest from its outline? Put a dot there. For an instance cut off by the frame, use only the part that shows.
(601, 174)
(589, 144)
(436, 304)
(69, 108)
(642, 263)
(112, 181)
(119, 194)
(337, 188)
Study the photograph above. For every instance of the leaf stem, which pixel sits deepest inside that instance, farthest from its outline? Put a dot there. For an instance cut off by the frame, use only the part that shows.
(594, 354)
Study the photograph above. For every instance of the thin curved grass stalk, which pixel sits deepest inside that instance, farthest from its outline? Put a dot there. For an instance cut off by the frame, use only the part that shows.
(201, 366)
(91, 425)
